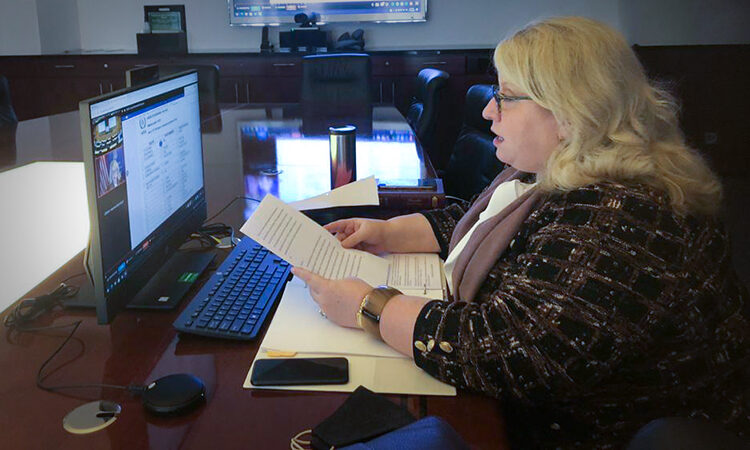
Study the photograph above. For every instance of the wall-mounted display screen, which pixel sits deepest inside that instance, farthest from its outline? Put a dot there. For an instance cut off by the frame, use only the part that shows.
(275, 12)
(165, 18)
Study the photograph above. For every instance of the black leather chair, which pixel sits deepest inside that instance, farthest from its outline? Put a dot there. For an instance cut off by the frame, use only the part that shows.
(342, 79)
(336, 89)
(473, 164)
(422, 114)
(8, 123)
(7, 114)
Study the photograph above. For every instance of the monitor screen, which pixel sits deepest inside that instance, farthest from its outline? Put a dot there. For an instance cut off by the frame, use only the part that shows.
(275, 12)
(143, 159)
(165, 18)
(165, 21)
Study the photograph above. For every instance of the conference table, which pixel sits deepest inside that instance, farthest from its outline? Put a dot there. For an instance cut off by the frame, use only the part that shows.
(249, 151)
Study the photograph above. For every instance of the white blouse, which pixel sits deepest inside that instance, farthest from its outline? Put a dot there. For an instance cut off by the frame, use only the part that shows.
(505, 194)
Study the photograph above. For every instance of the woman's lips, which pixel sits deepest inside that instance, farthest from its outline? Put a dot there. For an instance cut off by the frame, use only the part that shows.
(497, 140)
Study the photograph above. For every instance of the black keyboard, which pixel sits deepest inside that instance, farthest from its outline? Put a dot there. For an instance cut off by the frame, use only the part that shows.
(237, 299)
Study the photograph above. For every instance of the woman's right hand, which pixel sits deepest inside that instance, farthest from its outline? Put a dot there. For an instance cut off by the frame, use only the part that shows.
(363, 234)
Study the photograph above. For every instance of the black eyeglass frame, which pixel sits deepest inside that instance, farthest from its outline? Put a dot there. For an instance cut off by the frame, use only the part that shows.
(500, 97)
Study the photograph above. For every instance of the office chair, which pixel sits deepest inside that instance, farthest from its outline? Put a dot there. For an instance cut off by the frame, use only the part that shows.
(336, 90)
(422, 114)
(473, 164)
(342, 79)
(7, 114)
(8, 123)
(208, 91)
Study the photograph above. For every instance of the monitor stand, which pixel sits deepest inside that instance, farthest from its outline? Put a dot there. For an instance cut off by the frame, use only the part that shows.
(167, 287)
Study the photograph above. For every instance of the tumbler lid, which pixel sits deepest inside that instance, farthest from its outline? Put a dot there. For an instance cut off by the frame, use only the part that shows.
(346, 129)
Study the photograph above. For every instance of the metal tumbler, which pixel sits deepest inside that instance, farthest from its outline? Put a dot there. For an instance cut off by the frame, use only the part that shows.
(343, 155)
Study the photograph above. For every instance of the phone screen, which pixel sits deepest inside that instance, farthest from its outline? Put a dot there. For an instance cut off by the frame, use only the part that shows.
(296, 371)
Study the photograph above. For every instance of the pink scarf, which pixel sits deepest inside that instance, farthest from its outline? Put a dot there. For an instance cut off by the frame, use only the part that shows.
(490, 239)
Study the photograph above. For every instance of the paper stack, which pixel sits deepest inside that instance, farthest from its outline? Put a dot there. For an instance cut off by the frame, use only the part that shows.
(299, 330)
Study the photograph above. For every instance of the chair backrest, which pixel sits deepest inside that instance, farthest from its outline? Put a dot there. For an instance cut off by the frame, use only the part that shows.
(423, 112)
(337, 80)
(208, 92)
(7, 114)
(473, 164)
(208, 79)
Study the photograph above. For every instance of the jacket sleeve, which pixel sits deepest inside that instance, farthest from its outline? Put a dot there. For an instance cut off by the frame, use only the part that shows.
(443, 222)
(557, 313)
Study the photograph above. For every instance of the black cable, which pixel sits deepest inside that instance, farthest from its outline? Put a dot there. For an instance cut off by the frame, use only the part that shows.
(210, 234)
(29, 309)
(73, 276)
(230, 204)
(136, 389)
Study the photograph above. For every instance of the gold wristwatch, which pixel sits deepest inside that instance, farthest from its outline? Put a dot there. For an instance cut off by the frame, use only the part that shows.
(368, 316)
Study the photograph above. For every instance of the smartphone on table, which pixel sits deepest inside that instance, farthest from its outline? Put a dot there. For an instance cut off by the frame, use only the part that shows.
(300, 371)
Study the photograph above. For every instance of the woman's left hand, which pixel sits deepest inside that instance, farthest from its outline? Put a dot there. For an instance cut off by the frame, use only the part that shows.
(339, 300)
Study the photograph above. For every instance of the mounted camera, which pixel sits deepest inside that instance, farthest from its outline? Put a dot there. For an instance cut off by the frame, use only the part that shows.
(306, 21)
(306, 36)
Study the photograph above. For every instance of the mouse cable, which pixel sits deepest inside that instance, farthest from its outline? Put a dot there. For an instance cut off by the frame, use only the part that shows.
(239, 197)
(30, 309)
(135, 389)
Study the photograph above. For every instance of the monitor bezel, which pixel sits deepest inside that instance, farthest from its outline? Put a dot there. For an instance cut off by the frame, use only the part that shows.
(108, 305)
(323, 18)
(166, 8)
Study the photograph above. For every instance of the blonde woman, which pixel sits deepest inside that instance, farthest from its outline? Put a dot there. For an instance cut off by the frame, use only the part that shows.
(591, 286)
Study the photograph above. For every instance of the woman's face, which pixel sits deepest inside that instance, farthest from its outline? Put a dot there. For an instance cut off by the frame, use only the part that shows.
(527, 134)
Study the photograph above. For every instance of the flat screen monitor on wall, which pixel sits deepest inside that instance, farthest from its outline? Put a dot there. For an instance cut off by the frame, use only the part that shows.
(275, 12)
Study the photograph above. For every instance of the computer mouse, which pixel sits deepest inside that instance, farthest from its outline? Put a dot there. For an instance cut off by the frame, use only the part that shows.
(174, 394)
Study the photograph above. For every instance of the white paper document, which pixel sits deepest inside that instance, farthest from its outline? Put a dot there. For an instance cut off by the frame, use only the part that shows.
(298, 327)
(418, 274)
(300, 241)
(358, 193)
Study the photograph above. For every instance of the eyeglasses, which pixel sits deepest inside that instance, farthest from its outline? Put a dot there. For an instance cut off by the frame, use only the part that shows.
(500, 97)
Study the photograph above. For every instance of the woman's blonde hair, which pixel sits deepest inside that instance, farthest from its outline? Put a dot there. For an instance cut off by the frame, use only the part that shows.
(618, 126)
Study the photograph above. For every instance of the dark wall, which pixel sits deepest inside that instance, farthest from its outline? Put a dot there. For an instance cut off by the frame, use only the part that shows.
(711, 83)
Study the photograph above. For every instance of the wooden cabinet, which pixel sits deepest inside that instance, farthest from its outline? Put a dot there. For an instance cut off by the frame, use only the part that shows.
(49, 84)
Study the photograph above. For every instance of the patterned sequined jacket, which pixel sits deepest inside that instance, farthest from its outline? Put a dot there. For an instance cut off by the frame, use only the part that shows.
(606, 311)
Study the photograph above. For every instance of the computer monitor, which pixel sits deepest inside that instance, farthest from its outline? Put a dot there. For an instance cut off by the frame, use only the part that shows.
(143, 160)
(276, 12)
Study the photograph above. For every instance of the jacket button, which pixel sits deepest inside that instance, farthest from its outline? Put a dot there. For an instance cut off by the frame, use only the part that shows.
(430, 345)
(420, 346)
(446, 347)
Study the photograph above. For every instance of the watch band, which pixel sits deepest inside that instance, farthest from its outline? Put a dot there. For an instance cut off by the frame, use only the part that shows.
(368, 316)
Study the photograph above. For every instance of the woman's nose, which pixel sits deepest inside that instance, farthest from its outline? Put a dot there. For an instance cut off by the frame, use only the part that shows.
(490, 111)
